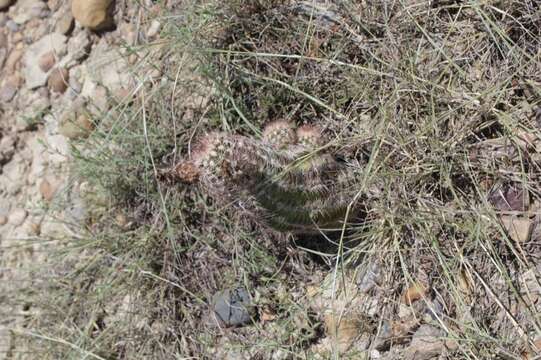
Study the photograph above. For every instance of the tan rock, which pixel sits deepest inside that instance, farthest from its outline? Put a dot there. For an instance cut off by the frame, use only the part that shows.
(4, 4)
(58, 80)
(518, 228)
(93, 14)
(76, 128)
(47, 61)
(342, 331)
(3, 220)
(47, 190)
(415, 292)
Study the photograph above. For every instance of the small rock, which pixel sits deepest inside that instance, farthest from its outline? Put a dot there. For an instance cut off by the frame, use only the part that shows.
(4, 4)
(7, 93)
(35, 228)
(7, 148)
(93, 14)
(233, 307)
(415, 292)
(12, 60)
(17, 217)
(58, 80)
(47, 61)
(426, 344)
(79, 46)
(3, 220)
(65, 24)
(28, 9)
(12, 26)
(34, 75)
(77, 128)
(3, 40)
(518, 228)
(47, 190)
(510, 198)
(153, 29)
(342, 331)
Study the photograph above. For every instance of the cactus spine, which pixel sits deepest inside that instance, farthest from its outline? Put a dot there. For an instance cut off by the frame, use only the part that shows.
(282, 177)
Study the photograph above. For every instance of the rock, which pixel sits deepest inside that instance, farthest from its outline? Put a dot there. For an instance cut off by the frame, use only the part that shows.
(510, 198)
(7, 93)
(518, 228)
(233, 307)
(47, 190)
(7, 148)
(342, 331)
(47, 61)
(426, 344)
(4, 4)
(369, 277)
(12, 26)
(28, 9)
(12, 60)
(93, 14)
(75, 126)
(415, 292)
(106, 66)
(17, 217)
(58, 80)
(34, 75)
(153, 29)
(3, 220)
(3, 40)
(64, 24)
(78, 47)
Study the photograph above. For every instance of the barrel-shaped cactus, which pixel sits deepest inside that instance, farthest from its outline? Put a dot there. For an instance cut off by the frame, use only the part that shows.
(284, 178)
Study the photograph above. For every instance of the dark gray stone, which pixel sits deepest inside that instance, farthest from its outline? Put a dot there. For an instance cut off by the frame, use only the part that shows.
(233, 307)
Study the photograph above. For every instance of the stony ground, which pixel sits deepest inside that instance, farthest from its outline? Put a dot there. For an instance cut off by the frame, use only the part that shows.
(55, 74)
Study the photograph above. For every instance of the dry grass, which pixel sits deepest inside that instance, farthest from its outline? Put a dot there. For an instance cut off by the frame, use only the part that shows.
(430, 101)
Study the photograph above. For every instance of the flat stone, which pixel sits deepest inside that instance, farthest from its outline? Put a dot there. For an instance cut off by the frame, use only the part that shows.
(232, 307)
(518, 228)
(47, 61)
(34, 75)
(64, 24)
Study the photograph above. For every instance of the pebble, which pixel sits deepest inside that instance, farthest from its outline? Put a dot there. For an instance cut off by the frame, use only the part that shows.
(46, 190)
(75, 128)
(47, 61)
(4, 4)
(17, 217)
(26, 10)
(58, 80)
(153, 29)
(12, 60)
(232, 307)
(65, 24)
(3, 40)
(93, 14)
(12, 26)
(3, 220)
(7, 93)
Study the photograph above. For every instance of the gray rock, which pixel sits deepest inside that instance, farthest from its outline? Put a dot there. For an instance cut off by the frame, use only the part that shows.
(7, 148)
(12, 26)
(34, 75)
(233, 307)
(426, 344)
(7, 93)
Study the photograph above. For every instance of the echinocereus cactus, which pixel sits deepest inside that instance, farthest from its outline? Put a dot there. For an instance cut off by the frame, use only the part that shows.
(283, 178)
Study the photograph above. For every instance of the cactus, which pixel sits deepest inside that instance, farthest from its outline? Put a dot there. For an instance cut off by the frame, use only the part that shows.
(283, 178)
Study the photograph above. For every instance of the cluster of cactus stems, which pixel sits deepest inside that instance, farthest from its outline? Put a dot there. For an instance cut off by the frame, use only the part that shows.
(283, 178)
